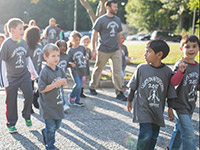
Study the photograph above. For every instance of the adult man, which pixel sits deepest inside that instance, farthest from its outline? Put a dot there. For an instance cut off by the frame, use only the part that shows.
(109, 27)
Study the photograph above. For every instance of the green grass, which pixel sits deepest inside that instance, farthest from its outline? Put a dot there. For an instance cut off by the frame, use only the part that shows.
(136, 52)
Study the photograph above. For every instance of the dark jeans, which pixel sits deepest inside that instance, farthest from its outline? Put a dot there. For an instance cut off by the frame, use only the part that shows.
(147, 136)
(51, 126)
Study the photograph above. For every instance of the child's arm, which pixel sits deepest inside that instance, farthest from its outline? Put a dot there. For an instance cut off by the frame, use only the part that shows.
(72, 64)
(177, 77)
(31, 68)
(130, 100)
(60, 82)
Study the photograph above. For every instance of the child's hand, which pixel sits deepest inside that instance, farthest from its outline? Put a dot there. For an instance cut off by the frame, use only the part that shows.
(72, 64)
(61, 82)
(129, 106)
(86, 58)
(182, 66)
(64, 82)
(170, 114)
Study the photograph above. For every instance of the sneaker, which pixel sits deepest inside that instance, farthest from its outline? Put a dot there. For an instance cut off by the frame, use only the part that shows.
(83, 95)
(79, 104)
(93, 91)
(66, 107)
(12, 129)
(43, 136)
(121, 96)
(70, 100)
(28, 122)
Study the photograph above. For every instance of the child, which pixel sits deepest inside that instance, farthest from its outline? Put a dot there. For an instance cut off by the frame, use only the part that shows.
(15, 59)
(2, 38)
(85, 41)
(186, 78)
(124, 58)
(63, 64)
(152, 83)
(77, 59)
(51, 32)
(51, 81)
(32, 37)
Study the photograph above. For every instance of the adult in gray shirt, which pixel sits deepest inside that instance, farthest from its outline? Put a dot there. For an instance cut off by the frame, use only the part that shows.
(109, 27)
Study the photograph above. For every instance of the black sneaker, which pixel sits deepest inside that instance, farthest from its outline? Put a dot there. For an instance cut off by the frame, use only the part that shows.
(80, 104)
(121, 96)
(43, 136)
(93, 91)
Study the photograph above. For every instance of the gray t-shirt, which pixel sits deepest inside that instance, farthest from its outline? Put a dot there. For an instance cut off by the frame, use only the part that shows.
(76, 55)
(152, 86)
(124, 55)
(37, 57)
(108, 28)
(51, 102)
(52, 34)
(187, 89)
(88, 55)
(63, 63)
(14, 54)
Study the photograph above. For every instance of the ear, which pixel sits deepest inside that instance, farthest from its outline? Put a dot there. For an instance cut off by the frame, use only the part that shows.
(160, 54)
(45, 57)
(11, 30)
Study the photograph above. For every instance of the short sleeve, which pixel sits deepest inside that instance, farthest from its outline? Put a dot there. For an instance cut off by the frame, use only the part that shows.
(120, 26)
(133, 83)
(42, 82)
(4, 52)
(97, 25)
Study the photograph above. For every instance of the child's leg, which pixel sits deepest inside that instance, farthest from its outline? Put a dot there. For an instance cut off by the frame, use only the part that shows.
(83, 81)
(63, 97)
(11, 104)
(79, 83)
(148, 134)
(76, 88)
(187, 132)
(26, 87)
(49, 132)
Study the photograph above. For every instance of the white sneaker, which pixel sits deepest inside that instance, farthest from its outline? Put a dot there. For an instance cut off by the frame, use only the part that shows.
(66, 107)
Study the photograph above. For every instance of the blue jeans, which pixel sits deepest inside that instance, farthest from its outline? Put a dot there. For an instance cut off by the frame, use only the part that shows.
(183, 133)
(63, 97)
(147, 136)
(76, 90)
(51, 126)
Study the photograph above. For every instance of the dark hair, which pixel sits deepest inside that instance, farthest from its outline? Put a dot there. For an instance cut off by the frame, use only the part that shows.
(25, 26)
(61, 41)
(159, 46)
(32, 36)
(191, 38)
(13, 23)
(73, 35)
(109, 2)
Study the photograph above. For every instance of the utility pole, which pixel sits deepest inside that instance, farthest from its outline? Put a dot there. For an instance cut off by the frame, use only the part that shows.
(75, 15)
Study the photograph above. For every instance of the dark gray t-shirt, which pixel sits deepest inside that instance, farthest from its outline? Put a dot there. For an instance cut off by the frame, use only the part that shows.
(108, 28)
(51, 102)
(152, 86)
(63, 63)
(76, 55)
(14, 54)
(124, 55)
(52, 34)
(37, 57)
(187, 89)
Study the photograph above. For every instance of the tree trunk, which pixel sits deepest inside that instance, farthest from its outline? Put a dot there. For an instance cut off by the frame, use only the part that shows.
(180, 22)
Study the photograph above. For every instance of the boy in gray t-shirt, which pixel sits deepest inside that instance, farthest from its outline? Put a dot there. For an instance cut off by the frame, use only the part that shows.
(51, 81)
(151, 82)
(14, 72)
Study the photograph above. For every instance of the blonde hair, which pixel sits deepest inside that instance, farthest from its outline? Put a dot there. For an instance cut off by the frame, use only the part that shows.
(49, 48)
(73, 35)
(84, 38)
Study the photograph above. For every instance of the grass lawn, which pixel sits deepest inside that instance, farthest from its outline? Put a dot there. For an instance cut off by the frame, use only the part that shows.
(136, 52)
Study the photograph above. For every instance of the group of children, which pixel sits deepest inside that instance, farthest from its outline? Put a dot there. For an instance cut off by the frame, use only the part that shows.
(152, 83)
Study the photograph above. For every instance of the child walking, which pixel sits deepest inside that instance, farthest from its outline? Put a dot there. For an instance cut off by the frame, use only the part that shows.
(151, 82)
(186, 78)
(14, 72)
(51, 81)
(32, 37)
(85, 41)
(77, 59)
(63, 64)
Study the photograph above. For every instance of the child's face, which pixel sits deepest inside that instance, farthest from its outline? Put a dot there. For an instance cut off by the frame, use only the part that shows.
(190, 50)
(53, 58)
(150, 55)
(52, 22)
(86, 43)
(76, 41)
(62, 48)
(122, 39)
(18, 32)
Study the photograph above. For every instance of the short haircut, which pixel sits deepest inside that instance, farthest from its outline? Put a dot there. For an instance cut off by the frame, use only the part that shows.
(109, 2)
(50, 48)
(14, 22)
(85, 37)
(189, 38)
(159, 46)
